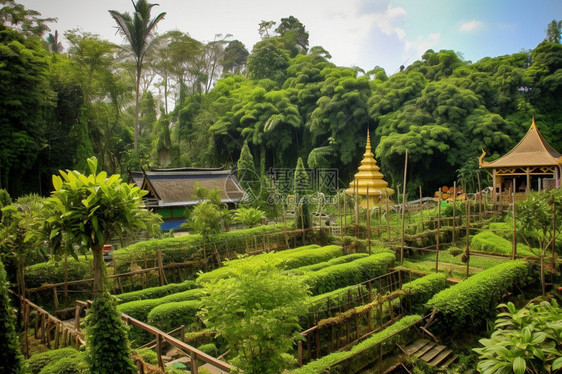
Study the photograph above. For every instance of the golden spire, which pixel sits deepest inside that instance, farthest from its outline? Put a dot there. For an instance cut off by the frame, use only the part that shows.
(369, 176)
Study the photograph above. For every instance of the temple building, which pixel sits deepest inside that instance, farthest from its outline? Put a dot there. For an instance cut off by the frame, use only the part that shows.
(532, 164)
(171, 191)
(369, 179)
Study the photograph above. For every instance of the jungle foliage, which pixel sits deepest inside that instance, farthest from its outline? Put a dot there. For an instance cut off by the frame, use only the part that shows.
(199, 103)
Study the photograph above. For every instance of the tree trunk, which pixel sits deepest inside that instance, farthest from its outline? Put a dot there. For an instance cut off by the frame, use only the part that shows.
(137, 94)
(99, 270)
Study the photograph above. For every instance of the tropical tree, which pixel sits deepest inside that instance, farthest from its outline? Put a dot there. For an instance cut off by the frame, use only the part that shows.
(256, 310)
(88, 210)
(11, 360)
(138, 29)
(553, 31)
(106, 338)
(300, 188)
(538, 224)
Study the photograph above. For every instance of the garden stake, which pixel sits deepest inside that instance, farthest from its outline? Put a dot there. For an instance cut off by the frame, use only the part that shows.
(368, 222)
(438, 233)
(403, 206)
(514, 251)
(454, 210)
(467, 238)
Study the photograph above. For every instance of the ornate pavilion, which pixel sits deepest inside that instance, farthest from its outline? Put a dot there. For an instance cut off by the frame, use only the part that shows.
(533, 164)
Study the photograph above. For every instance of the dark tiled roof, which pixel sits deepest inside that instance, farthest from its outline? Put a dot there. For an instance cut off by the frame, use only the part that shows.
(177, 188)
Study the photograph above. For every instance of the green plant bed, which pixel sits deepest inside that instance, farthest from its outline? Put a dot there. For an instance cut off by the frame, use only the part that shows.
(288, 259)
(342, 275)
(39, 360)
(321, 265)
(419, 291)
(156, 292)
(171, 315)
(487, 241)
(187, 247)
(52, 271)
(329, 304)
(451, 270)
(468, 304)
(445, 257)
(361, 354)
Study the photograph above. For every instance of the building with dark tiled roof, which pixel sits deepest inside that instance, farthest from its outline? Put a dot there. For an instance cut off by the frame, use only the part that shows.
(171, 191)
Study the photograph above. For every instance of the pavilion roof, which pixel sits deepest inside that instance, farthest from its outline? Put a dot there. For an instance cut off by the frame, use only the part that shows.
(532, 150)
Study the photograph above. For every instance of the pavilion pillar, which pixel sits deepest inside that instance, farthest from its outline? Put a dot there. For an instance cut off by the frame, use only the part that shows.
(495, 186)
(557, 176)
(528, 187)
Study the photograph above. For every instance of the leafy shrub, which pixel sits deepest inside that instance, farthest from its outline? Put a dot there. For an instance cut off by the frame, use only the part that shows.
(106, 338)
(469, 303)
(333, 261)
(39, 360)
(525, 338)
(53, 271)
(138, 309)
(339, 276)
(147, 355)
(179, 249)
(209, 349)
(288, 259)
(194, 294)
(487, 241)
(171, 315)
(156, 292)
(503, 229)
(11, 360)
(361, 352)
(327, 304)
(419, 291)
(72, 364)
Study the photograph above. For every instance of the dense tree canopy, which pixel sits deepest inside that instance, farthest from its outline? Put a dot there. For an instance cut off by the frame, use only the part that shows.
(199, 102)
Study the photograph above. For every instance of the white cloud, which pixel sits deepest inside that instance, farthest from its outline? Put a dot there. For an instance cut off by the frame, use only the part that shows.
(471, 25)
(417, 48)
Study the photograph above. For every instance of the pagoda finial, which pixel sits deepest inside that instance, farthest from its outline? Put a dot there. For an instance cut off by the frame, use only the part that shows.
(534, 124)
(368, 147)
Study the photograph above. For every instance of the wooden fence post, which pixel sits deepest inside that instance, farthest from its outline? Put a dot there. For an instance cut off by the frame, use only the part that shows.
(438, 232)
(160, 268)
(159, 351)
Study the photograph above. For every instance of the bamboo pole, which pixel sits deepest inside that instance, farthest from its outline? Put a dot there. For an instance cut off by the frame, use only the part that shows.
(65, 277)
(514, 248)
(368, 222)
(454, 211)
(438, 232)
(356, 192)
(467, 239)
(421, 208)
(160, 269)
(403, 206)
(479, 197)
(387, 216)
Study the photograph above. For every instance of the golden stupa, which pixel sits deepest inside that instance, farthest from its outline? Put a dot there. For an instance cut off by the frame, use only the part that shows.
(369, 175)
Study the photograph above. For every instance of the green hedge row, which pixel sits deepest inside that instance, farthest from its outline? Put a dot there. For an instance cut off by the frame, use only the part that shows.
(321, 265)
(470, 302)
(53, 271)
(288, 259)
(182, 248)
(156, 292)
(339, 276)
(419, 291)
(360, 354)
(487, 241)
(171, 315)
(63, 360)
(140, 309)
(326, 305)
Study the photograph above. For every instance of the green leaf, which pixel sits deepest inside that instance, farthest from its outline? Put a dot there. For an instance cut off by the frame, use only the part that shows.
(57, 182)
(519, 365)
(557, 364)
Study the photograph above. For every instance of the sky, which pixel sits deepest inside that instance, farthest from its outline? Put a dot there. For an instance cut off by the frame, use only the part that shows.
(362, 33)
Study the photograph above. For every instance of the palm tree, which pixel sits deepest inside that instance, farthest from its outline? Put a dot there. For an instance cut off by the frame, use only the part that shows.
(137, 29)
